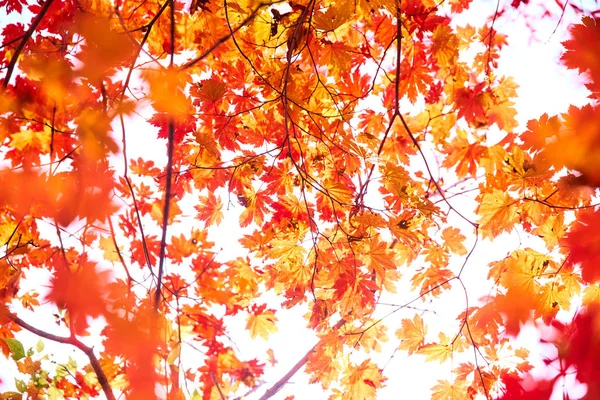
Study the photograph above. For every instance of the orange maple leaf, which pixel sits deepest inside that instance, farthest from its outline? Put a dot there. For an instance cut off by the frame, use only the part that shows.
(79, 289)
(137, 340)
(210, 209)
(498, 213)
(362, 381)
(517, 306)
(453, 240)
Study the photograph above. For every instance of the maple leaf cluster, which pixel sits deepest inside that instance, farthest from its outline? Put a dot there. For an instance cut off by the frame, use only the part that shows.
(133, 132)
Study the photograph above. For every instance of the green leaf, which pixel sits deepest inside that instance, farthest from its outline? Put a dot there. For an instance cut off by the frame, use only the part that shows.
(39, 346)
(30, 352)
(41, 380)
(55, 394)
(21, 385)
(61, 372)
(16, 348)
(72, 364)
(196, 396)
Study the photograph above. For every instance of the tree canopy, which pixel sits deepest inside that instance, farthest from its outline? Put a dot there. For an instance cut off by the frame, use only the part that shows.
(364, 149)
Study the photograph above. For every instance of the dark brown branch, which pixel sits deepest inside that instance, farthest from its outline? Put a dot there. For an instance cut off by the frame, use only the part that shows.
(24, 39)
(217, 386)
(73, 341)
(169, 178)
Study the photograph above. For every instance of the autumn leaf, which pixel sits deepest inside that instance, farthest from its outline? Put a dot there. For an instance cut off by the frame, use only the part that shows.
(362, 381)
(540, 131)
(584, 245)
(104, 48)
(210, 209)
(446, 390)
(255, 203)
(453, 240)
(412, 334)
(110, 251)
(261, 322)
(333, 17)
(209, 90)
(362, 144)
(498, 213)
(80, 290)
(445, 45)
(166, 91)
(464, 156)
(517, 306)
(553, 298)
(436, 351)
(471, 103)
(415, 80)
(591, 295)
(137, 340)
(580, 51)
(551, 230)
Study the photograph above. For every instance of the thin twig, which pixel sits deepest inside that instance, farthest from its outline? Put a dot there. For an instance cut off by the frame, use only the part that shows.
(73, 341)
(281, 382)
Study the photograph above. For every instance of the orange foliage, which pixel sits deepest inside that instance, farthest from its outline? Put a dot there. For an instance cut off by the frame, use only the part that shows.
(350, 143)
(80, 290)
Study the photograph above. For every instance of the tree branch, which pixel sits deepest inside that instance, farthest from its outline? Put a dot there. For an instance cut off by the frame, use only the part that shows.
(24, 39)
(281, 382)
(169, 177)
(73, 341)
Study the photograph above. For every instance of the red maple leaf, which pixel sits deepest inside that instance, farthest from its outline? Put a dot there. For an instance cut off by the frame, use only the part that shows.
(583, 242)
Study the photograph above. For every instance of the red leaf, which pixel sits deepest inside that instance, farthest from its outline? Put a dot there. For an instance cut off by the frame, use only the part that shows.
(584, 243)
(13, 5)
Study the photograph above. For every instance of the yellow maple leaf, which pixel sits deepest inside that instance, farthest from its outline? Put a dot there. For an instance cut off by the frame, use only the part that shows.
(445, 45)
(553, 298)
(29, 138)
(362, 381)
(411, 334)
(107, 245)
(498, 213)
(256, 206)
(436, 351)
(338, 191)
(444, 390)
(591, 295)
(261, 323)
(379, 258)
(336, 15)
(551, 230)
